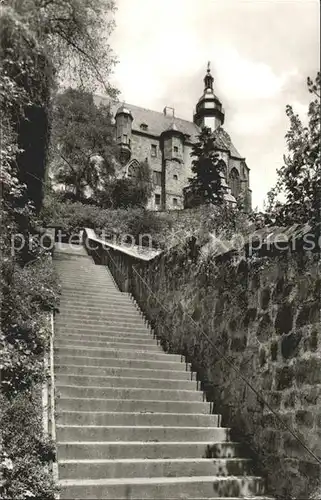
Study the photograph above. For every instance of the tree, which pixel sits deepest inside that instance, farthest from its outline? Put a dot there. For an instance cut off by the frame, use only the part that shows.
(299, 180)
(206, 185)
(126, 192)
(74, 35)
(83, 148)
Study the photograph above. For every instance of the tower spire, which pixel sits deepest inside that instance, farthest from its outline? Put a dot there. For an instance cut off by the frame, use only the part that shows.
(209, 112)
(208, 80)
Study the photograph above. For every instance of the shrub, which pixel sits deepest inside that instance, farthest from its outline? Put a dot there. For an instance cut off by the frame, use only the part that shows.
(25, 450)
(72, 217)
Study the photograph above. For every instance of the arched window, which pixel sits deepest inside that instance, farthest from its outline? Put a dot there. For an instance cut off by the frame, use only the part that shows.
(223, 168)
(234, 182)
(132, 169)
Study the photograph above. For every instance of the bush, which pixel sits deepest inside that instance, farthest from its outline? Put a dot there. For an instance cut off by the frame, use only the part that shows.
(73, 217)
(28, 293)
(25, 450)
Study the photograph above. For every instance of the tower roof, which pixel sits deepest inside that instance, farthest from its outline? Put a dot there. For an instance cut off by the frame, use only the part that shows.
(173, 128)
(123, 110)
(209, 104)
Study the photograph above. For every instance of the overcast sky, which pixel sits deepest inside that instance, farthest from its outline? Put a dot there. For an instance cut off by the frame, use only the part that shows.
(261, 53)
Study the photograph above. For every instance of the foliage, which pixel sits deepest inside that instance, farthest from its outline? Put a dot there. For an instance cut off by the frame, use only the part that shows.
(73, 217)
(22, 465)
(39, 40)
(30, 292)
(127, 192)
(25, 81)
(206, 185)
(74, 34)
(299, 180)
(166, 229)
(83, 148)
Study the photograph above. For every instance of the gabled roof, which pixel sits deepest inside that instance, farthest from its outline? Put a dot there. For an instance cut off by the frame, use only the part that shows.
(158, 122)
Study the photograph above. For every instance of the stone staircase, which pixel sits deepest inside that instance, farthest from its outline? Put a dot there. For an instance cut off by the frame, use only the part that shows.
(130, 420)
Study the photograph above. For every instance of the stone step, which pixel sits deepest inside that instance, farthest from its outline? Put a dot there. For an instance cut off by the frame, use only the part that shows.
(130, 340)
(98, 469)
(90, 278)
(123, 418)
(101, 308)
(68, 403)
(90, 288)
(102, 315)
(114, 320)
(90, 291)
(143, 354)
(142, 331)
(94, 298)
(161, 488)
(130, 382)
(141, 433)
(119, 307)
(136, 373)
(103, 342)
(133, 450)
(149, 364)
(73, 257)
(99, 301)
(131, 393)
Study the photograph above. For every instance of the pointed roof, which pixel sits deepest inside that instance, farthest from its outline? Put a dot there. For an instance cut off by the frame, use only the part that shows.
(173, 128)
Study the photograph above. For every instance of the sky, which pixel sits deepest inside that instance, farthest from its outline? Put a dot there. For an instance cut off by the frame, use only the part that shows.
(261, 52)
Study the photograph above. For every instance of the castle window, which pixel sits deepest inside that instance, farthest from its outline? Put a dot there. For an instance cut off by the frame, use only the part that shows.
(223, 167)
(157, 199)
(133, 170)
(175, 177)
(175, 149)
(125, 138)
(157, 177)
(234, 182)
(175, 202)
(153, 150)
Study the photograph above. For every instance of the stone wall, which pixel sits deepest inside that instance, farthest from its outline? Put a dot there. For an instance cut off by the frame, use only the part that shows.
(251, 328)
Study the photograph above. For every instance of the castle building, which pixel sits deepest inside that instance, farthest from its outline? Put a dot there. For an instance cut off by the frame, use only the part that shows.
(166, 142)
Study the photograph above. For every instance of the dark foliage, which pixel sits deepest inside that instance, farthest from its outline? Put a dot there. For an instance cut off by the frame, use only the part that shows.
(206, 185)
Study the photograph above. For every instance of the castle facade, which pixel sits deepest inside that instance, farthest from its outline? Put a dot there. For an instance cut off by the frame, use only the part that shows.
(165, 141)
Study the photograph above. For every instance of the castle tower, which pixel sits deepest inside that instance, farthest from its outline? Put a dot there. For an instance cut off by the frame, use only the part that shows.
(172, 147)
(124, 120)
(209, 111)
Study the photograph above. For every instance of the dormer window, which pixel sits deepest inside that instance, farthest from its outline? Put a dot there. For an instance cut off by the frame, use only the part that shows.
(143, 126)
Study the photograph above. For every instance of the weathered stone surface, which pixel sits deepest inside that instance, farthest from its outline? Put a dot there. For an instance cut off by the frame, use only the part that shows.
(284, 377)
(309, 314)
(284, 319)
(249, 316)
(267, 325)
(265, 297)
(289, 344)
(264, 330)
(304, 418)
(290, 399)
(274, 350)
(308, 371)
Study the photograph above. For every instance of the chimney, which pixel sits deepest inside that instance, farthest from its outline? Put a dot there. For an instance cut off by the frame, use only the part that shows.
(169, 111)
